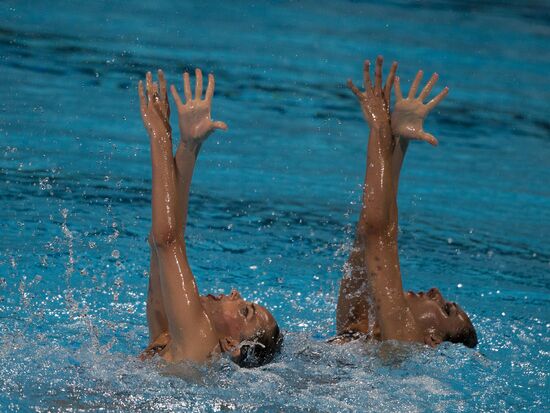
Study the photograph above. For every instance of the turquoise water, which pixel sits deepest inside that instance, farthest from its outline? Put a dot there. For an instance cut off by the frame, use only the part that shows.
(274, 200)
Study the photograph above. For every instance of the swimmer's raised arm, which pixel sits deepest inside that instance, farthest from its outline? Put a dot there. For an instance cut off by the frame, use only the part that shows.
(374, 273)
(195, 126)
(353, 303)
(156, 314)
(185, 159)
(191, 331)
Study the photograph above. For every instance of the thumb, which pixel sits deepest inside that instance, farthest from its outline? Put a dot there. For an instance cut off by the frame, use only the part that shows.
(428, 138)
(219, 125)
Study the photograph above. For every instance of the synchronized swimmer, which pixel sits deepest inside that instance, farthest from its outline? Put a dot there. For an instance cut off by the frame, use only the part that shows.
(184, 326)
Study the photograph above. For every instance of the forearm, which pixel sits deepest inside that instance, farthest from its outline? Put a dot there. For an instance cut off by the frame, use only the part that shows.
(185, 160)
(401, 145)
(163, 197)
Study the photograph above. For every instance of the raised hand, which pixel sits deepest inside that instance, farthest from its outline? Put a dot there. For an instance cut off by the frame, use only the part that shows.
(408, 115)
(194, 115)
(375, 101)
(155, 109)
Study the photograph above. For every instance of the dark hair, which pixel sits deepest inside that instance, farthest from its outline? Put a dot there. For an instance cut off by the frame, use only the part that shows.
(264, 347)
(466, 336)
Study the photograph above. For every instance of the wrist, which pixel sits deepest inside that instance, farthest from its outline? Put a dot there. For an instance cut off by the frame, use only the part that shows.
(382, 126)
(188, 147)
(160, 133)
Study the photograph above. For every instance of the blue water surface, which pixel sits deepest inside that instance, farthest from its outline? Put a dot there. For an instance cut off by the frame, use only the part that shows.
(274, 200)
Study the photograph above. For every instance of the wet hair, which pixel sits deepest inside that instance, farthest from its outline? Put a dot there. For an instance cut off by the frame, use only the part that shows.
(261, 348)
(466, 336)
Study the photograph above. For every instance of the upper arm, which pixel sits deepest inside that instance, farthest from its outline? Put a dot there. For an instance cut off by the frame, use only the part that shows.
(392, 311)
(352, 311)
(156, 315)
(191, 330)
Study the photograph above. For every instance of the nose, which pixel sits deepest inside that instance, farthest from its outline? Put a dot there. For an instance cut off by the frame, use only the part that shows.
(436, 295)
(433, 292)
(234, 295)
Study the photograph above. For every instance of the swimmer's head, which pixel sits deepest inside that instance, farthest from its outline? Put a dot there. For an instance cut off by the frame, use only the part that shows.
(441, 320)
(248, 331)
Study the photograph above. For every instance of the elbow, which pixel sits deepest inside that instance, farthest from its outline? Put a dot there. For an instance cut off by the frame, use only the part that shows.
(163, 239)
(376, 223)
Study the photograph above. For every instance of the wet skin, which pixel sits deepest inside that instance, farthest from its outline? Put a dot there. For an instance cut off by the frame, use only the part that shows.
(182, 324)
(371, 297)
(234, 317)
(437, 317)
(231, 316)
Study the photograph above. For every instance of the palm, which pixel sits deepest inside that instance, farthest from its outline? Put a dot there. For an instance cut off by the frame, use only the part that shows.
(194, 115)
(407, 118)
(195, 121)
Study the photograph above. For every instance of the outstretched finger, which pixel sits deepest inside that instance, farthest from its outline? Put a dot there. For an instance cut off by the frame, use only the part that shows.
(219, 125)
(149, 86)
(435, 101)
(428, 88)
(187, 88)
(198, 84)
(355, 90)
(416, 82)
(141, 94)
(378, 76)
(210, 88)
(389, 83)
(398, 94)
(176, 96)
(428, 137)
(162, 82)
(366, 76)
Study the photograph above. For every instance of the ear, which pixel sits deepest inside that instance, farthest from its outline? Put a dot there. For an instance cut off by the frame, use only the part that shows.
(231, 346)
(432, 339)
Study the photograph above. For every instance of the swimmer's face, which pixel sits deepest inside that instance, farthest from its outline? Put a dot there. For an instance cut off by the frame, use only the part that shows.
(236, 318)
(440, 319)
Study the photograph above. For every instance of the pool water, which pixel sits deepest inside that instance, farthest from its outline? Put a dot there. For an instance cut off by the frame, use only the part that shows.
(274, 200)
